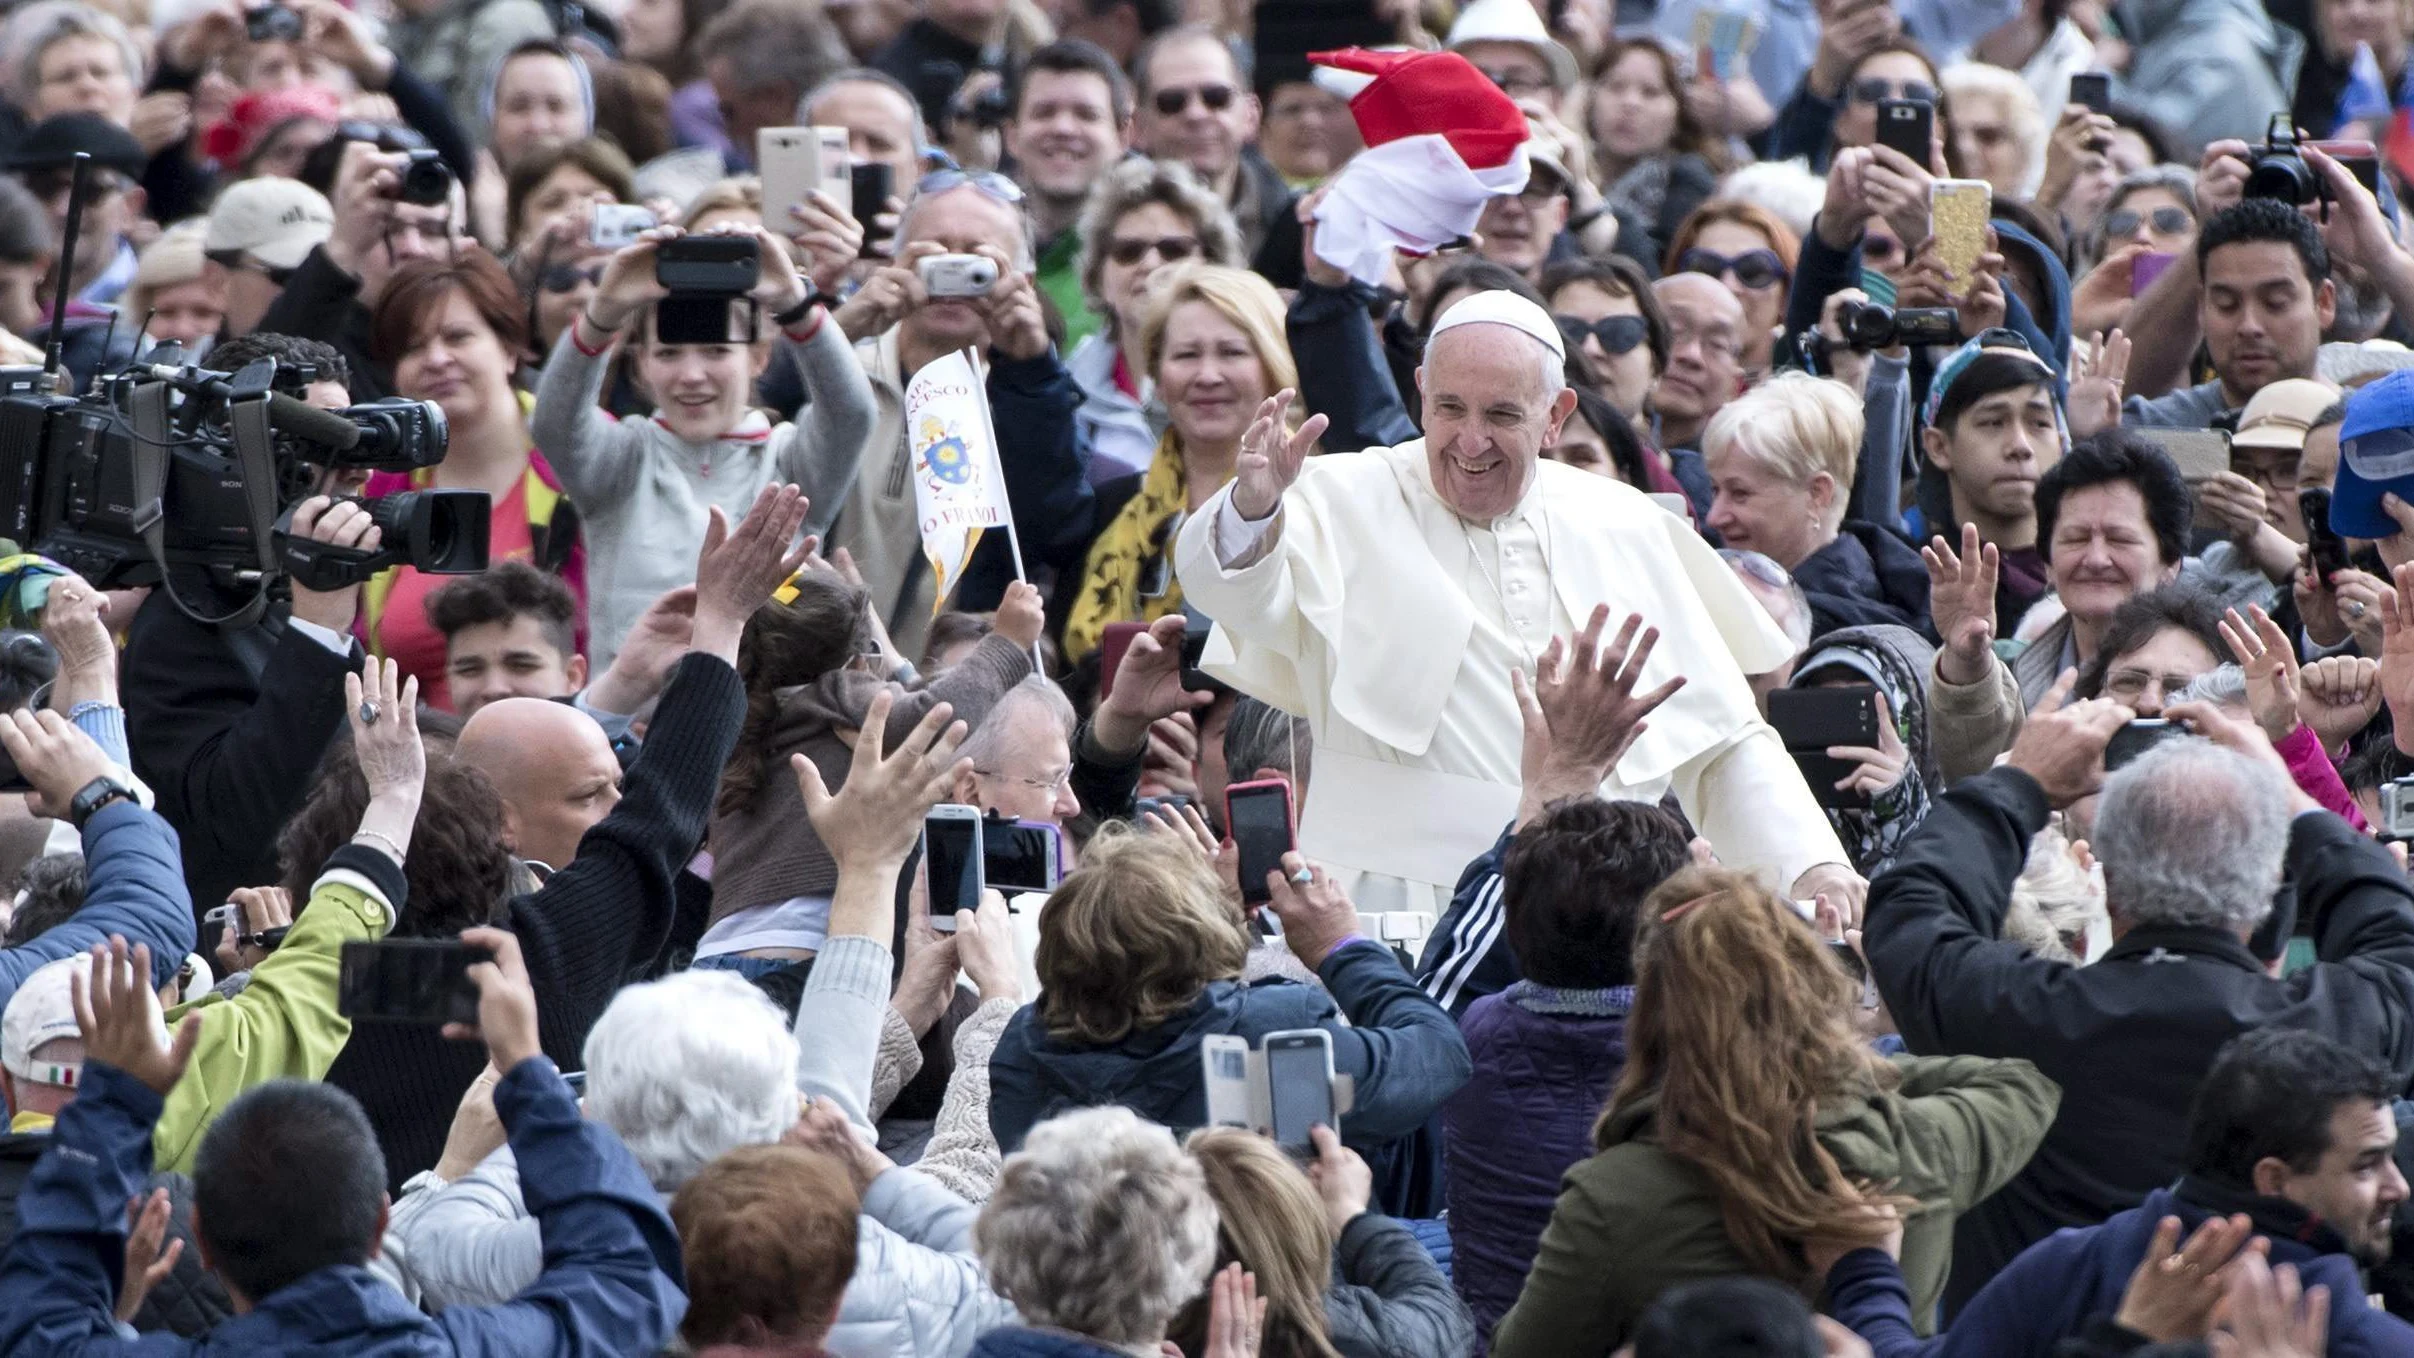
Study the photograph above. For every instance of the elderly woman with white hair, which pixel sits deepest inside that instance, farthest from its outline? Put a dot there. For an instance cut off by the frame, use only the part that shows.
(1781, 458)
(1998, 131)
(1100, 1231)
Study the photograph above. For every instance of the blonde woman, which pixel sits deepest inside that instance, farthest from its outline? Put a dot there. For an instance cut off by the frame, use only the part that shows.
(1337, 1278)
(1781, 459)
(1212, 342)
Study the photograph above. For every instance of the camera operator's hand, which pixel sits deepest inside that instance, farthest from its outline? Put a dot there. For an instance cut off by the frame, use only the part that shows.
(1316, 915)
(258, 909)
(2355, 229)
(2099, 298)
(337, 523)
(72, 624)
(627, 286)
(1018, 328)
(828, 240)
(892, 292)
(1845, 363)
(342, 37)
(2221, 176)
(53, 755)
(366, 180)
(1846, 211)
(1148, 686)
(2096, 382)
(1897, 190)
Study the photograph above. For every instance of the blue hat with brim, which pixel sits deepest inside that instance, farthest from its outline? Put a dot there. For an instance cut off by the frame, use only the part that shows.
(2376, 456)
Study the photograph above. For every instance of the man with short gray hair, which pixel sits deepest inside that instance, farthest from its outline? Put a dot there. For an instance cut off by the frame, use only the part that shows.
(2195, 837)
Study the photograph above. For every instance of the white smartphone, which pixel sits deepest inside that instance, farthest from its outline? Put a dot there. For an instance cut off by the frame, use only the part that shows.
(951, 862)
(797, 160)
(1299, 1086)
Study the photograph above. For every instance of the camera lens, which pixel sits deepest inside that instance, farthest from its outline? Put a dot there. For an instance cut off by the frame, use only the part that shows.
(426, 181)
(2281, 175)
(1867, 325)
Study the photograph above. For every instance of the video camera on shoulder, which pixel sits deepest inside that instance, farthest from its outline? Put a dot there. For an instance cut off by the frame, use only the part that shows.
(706, 276)
(164, 473)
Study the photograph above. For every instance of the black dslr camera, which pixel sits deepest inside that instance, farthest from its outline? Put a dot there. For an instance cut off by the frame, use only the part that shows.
(426, 180)
(163, 474)
(2279, 170)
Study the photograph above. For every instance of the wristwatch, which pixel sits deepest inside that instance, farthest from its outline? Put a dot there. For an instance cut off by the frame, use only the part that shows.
(93, 796)
(802, 309)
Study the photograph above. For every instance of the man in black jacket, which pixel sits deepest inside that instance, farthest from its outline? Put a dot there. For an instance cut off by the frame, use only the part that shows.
(2194, 837)
(227, 724)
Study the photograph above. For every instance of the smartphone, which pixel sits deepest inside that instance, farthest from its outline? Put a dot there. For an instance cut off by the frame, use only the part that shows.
(2358, 158)
(2201, 454)
(951, 861)
(409, 980)
(2093, 89)
(718, 266)
(1815, 718)
(1169, 805)
(1821, 772)
(1194, 649)
(1111, 649)
(797, 160)
(1299, 1087)
(2140, 735)
(1957, 212)
(1258, 817)
(2325, 550)
(869, 187)
(615, 226)
(2147, 267)
(1907, 126)
(1021, 855)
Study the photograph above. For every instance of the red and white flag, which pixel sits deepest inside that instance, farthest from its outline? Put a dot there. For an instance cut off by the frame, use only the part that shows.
(1441, 141)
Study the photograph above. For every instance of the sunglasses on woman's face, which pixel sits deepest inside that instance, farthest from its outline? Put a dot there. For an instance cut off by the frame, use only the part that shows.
(1129, 250)
(1170, 103)
(1875, 88)
(1755, 269)
(2170, 221)
(564, 277)
(1617, 334)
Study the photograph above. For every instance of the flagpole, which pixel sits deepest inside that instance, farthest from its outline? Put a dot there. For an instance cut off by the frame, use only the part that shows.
(1014, 543)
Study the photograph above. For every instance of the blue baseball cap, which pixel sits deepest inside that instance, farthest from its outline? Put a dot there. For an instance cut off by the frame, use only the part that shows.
(2376, 456)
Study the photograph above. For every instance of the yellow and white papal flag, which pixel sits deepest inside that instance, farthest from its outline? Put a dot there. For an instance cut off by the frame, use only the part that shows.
(958, 487)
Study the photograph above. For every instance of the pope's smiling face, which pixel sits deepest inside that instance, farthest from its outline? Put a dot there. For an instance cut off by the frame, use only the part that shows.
(1490, 410)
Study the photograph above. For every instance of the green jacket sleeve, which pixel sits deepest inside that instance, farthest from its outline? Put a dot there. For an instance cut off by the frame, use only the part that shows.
(1571, 1306)
(1969, 1123)
(284, 1026)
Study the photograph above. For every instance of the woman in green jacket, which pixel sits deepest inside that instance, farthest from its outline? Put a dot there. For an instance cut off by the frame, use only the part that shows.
(1750, 1119)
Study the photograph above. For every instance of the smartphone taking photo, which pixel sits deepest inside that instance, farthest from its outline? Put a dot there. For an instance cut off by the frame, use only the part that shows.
(409, 980)
(1299, 1082)
(1259, 817)
(951, 862)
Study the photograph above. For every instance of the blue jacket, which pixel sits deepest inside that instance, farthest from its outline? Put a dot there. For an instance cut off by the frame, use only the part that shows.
(1467, 956)
(2056, 1286)
(1545, 1061)
(612, 1265)
(137, 875)
(1018, 1342)
(1404, 1053)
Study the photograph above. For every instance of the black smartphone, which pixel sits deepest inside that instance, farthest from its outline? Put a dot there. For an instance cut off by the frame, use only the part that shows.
(1822, 772)
(408, 980)
(1194, 648)
(1299, 1087)
(2140, 735)
(873, 183)
(1907, 126)
(2093, 89)
(1258, 816)
(727, 266)
(951, 858)
(2325, 550)
(1813, 719)
(1021, 855)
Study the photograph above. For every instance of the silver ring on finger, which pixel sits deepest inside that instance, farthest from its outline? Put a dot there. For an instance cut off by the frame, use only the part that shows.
(2355, 608)
(368, 714)
(1304, 877)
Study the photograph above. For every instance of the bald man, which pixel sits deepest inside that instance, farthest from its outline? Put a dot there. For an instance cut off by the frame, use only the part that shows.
(1705, 371)
(555, 769)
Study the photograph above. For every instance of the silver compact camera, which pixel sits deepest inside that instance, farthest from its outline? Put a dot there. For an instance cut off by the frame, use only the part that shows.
(957, 275)
(616, 226)
(2397, 809)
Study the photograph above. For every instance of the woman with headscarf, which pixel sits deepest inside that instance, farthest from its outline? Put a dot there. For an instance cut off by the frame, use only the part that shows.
(1887, 784)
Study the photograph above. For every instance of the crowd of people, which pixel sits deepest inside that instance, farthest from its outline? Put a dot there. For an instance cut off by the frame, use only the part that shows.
(1846, 766)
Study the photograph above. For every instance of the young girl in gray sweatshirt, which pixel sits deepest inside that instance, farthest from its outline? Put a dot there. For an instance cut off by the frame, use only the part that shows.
(645, 487)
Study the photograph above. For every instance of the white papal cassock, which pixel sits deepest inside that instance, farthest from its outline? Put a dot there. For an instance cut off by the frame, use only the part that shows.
(1391, 624)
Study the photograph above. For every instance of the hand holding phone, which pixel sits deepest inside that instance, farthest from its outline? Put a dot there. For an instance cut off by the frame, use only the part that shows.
(506, 1001)
(1259, 817)
(411, 980)
(952, 861)
(1299, 1081)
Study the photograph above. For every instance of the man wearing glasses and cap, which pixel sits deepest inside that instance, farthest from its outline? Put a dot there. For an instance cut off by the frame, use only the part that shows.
(1388, 597)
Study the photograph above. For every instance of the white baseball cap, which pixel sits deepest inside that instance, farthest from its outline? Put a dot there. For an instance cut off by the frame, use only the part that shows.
(276, 221)
(43, 1011)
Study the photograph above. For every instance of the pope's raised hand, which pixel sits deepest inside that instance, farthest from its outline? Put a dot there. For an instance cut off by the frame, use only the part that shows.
(1270, 458)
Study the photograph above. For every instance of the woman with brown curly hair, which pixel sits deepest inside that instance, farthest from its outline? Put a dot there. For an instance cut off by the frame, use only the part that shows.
(1751, 1124)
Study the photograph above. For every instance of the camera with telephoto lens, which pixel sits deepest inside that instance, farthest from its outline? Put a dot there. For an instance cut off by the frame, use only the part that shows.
(164, 475)
(2278, 169)
(426, 180)
(272, 23)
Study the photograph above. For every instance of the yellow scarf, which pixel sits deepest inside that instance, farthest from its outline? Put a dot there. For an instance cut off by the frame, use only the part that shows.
(1140, 534)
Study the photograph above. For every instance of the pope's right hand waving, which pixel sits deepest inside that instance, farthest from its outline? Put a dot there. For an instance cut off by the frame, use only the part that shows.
(1270, 458)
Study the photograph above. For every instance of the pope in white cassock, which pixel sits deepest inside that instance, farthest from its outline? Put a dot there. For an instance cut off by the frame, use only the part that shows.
(1386, 595)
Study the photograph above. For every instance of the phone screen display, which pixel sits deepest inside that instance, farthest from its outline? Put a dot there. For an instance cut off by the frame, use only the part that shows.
(1300, 1087)
(951, 856)
(409, 980)
(1260, 821)
(1019, 856)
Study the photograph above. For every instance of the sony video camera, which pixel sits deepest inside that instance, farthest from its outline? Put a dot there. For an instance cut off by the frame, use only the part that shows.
(162, 474)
